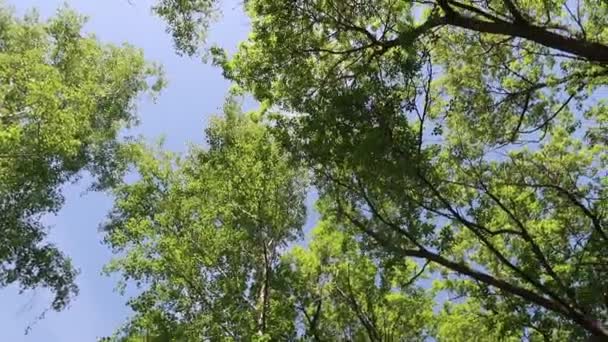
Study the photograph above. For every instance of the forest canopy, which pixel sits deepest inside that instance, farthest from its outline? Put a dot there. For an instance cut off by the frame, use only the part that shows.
(458, 151)
(469, 136)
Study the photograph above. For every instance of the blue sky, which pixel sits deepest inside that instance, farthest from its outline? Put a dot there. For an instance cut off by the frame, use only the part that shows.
(195, 91)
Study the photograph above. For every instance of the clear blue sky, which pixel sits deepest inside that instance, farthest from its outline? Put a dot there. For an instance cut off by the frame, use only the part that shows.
(195, 91)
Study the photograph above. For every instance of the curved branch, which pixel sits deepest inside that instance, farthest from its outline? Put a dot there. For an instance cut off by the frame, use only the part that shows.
(592, 51)
(588, 324)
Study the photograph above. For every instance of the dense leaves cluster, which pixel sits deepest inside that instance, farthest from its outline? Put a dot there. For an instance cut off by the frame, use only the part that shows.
(64, 98)
(205, 234)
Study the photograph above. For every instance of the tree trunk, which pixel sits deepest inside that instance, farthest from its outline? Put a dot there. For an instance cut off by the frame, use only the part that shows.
(264, 293)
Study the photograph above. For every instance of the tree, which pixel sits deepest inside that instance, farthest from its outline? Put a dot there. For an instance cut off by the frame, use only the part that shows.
(342, 290)
(203, 235)
(468, 134)
(64, 98)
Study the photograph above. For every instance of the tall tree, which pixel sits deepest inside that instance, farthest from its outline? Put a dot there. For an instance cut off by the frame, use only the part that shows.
(203, 235)
(470, 134)
(64, 98)
(196, 234)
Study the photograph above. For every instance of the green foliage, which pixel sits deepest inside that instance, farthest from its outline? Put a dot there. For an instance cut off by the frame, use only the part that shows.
(203, 234)
(64, 98)
(471, 135)
(341, 291)
(206, 239)
(188, 22)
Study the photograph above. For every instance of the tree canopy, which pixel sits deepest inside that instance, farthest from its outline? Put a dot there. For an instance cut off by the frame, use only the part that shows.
(459, 150)
(206, 238)
(64, 99)
(203, 234)
(469, 134)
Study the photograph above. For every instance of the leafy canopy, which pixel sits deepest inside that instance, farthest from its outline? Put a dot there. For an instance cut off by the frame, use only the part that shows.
(468, 134)
(203, 234)
(206, 239)
(64, 99)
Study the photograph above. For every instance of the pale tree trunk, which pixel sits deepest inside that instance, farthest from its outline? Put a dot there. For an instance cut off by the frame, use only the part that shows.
(264, 294)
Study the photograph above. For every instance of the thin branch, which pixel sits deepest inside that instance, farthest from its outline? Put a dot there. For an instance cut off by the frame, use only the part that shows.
(418, 274)
(476, 10)
(517, 15)
(528, 238)
(427, 103)
(521, 117)
(548, 120)
(598, 227)
(576, 18)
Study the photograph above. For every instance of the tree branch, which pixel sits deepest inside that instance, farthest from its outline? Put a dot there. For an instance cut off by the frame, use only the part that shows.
(519, 18)
(592, 51)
